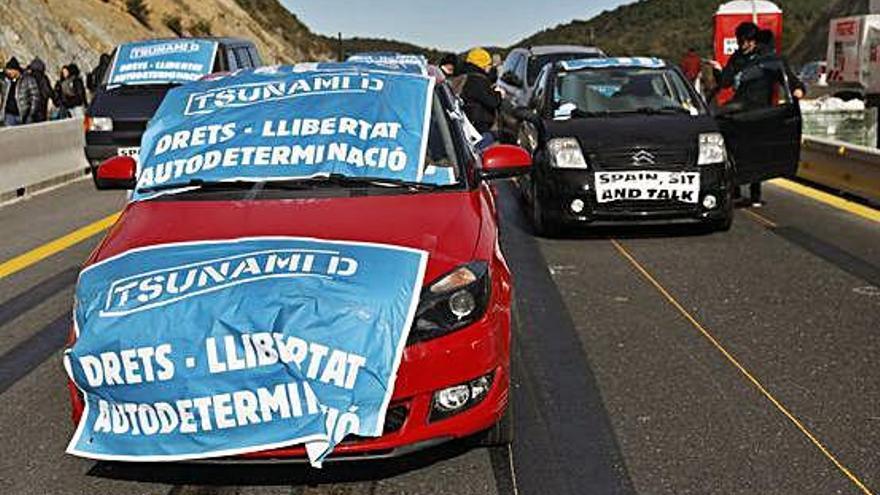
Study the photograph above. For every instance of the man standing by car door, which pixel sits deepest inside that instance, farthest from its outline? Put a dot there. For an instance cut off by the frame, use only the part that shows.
(752, 75)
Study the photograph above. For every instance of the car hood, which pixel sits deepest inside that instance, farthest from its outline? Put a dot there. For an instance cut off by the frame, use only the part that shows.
(637, 131)
(446, 225)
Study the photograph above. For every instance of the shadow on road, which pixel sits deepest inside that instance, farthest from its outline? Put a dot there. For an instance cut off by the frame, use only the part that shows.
(278, 473)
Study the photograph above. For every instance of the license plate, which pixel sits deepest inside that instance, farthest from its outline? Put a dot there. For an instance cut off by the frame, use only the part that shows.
(132, 151)
(640, 185)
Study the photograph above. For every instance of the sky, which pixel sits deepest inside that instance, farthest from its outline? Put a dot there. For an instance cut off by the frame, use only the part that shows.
(453, 25)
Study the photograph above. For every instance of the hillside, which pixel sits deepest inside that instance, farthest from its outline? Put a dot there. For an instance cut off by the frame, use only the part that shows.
(356, 45)
(666, 28)
(64, 31)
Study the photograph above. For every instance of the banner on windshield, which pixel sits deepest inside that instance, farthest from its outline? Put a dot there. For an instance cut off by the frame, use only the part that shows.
(289, 122)
(217, 348)
(162, 61)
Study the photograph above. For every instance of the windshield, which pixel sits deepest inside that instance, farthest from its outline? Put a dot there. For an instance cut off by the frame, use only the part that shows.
(600, 92)
(536, 63)
(166, 62)
(292, 128)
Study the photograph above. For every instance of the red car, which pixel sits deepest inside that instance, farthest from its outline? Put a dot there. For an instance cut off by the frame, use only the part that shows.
(453, 381)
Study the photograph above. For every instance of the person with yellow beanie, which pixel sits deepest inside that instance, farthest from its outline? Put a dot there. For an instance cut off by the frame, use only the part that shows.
(481, 99)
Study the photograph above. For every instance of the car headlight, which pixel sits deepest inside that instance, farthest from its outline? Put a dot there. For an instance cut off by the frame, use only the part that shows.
(453, 301)
(101, 124)
(712, 149)
(566, 153)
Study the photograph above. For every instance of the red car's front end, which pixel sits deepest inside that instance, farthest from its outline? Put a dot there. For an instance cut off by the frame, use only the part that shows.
(454, 377)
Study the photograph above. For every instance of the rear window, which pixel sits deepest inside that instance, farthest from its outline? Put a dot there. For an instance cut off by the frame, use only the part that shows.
(161, 62)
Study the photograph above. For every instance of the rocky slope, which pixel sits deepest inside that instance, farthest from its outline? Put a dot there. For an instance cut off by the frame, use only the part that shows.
(64, 31)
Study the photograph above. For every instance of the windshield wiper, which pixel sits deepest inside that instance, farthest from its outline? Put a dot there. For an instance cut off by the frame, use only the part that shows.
(346, 181)
(202, 184)
(664, 110)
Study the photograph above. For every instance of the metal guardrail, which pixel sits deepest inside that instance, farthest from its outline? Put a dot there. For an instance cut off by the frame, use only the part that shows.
(38, 156)
(849, 168)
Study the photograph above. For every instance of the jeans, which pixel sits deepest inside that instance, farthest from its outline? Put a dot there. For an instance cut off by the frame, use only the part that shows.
(488, 140)
(11, 120)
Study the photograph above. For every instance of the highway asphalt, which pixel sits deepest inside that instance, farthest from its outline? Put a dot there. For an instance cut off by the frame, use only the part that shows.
(646, 361)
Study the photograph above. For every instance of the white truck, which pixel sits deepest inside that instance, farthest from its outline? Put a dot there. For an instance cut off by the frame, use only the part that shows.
(854, 58)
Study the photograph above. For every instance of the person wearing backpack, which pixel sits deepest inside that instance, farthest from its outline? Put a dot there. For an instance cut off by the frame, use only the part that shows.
(71, 92)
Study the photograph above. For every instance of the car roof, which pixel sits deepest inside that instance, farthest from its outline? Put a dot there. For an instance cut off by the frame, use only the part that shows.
(549, 49)
(604, 63)
(224, 40)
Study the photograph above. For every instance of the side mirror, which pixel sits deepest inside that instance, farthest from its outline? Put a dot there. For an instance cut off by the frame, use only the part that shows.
(116, 173)
(503, 161)
(512, 79)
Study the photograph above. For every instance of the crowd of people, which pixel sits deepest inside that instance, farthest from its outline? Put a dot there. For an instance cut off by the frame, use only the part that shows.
(28, 96)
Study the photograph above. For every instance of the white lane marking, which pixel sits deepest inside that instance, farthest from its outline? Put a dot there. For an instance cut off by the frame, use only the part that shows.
(512, 469)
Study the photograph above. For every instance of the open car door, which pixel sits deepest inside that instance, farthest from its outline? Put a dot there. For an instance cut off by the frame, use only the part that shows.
(763, 134)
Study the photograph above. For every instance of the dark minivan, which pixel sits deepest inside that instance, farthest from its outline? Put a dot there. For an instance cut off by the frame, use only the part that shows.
(136, 82)
(629, 140)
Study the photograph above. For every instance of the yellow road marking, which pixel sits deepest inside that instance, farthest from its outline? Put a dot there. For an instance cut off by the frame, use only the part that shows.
(751, 378)
(863, 211)
(761, 219)
(27, 259)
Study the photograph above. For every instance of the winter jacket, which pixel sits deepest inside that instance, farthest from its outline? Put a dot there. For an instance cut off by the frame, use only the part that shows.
(754, 77)
(94, 78)
(37, 69)
(71, 91)
(481, 101)
(27, 97)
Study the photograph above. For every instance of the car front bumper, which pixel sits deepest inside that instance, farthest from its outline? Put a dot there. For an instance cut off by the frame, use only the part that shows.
(558, 190)
(477, 350)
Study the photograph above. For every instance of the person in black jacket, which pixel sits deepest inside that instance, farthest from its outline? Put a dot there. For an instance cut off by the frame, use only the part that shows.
(37, 69)
(481, 100)
(71, 92)
(96, 76)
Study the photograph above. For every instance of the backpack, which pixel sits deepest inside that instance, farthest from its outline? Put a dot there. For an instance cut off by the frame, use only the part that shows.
(457, 84)
(68, 89)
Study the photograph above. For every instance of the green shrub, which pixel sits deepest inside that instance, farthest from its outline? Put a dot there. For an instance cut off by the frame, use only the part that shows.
(139, 10)
(200, 28)
(173, 23)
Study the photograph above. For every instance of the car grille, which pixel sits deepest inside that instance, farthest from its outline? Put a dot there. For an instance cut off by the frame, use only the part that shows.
(395, 417)
(622, 158)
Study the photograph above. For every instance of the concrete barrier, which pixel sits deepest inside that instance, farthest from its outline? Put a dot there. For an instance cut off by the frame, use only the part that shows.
(38, 156)
(842, 166)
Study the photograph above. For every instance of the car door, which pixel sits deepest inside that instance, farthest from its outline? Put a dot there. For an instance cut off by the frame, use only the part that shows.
(512, 85)
(763, 140)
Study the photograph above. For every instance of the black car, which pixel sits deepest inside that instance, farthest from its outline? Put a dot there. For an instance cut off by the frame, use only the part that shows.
(630, 140)
(121, 108)
(520, 71)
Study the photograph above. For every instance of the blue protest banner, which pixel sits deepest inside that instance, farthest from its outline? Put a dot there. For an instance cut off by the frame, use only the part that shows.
(162, 61)
(216, 348)
(288, 122)
(416, 64)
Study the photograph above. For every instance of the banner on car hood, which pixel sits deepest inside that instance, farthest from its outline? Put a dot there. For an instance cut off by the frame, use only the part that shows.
(289, 122)
(207, 349)
(162, 61)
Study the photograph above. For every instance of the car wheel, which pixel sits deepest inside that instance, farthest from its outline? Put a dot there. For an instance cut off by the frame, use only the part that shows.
(542, 225)
(500, 435)
(722, 225)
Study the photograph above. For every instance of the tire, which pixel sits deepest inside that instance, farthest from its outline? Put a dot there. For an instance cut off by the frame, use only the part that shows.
(543, 226)
(501, 434)
(722, 225)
